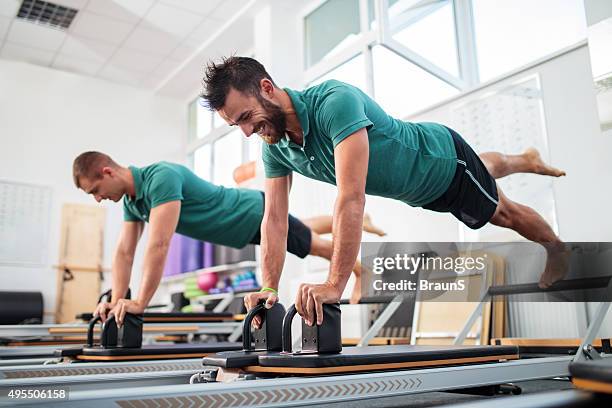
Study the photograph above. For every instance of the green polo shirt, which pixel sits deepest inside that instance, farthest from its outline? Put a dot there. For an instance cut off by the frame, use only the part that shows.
(225, 216)
(411, 162)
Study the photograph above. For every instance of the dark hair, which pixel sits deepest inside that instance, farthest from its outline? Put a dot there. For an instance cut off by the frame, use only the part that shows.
(90, 165)
(241, 73)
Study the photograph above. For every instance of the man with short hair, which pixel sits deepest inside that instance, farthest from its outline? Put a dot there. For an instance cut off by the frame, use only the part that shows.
(171, 198)
(335, 133)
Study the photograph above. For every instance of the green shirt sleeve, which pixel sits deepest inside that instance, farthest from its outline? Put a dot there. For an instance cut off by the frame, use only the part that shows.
(166, 185)
(128, 215)
(273, 168)
(341, 114)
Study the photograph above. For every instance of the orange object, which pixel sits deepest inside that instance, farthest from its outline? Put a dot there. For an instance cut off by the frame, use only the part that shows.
(244, 172)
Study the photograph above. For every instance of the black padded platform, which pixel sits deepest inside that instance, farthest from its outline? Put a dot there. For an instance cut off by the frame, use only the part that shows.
(150, 350)
(352, 356)
(594, 376)
(162, 317)
(39, 341)
(385, 355)
(163, 349)
(598, 370)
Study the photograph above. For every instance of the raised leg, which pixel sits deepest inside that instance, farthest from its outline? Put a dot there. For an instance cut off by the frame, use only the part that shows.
(500, 165)
(322, 224)
(529, 224)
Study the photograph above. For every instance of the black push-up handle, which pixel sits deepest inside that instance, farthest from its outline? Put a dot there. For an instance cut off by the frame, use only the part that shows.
(570, 284)
(90, 330)
(326, 338)
(268, 336)
(128, 336)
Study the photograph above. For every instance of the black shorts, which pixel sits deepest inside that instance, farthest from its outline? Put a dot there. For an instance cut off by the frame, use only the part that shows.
(299, 237)
(472, 195)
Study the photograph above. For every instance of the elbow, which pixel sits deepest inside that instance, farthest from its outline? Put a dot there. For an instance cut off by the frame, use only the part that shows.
(125, 256)
(160, 245)
(353, 198)
(274, 218)
(275, 223)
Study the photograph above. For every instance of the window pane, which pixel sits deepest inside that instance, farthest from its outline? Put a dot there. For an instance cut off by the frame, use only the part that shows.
(202, 163)
(204, 119)
(192, 120)
(352, 72)
(427, 29)
(228, 156)
(390, 3)
(218, 120)
(512, 33)
(254, 148)
(600, 48)
(401, 87)
(329, 28)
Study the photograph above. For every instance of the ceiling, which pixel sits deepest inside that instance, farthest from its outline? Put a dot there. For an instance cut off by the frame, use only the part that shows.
(142, 43)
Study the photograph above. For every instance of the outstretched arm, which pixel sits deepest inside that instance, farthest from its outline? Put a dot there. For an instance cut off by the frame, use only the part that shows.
(162, 224)
(351, 160)
(274, 229)
(122, 265)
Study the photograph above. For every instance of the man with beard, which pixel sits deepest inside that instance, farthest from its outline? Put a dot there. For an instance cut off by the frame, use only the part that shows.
(333, 132)
(171, 198)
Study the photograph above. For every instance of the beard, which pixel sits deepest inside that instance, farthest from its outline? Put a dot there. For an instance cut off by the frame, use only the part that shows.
(275, 121)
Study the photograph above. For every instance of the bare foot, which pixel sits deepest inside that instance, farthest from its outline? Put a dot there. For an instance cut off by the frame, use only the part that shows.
(539, 167)
(369, 227)
(557, 266)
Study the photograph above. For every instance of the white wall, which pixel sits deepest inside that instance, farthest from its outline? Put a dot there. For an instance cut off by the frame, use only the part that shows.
(576, 145)
(574, 140)
(48, 117)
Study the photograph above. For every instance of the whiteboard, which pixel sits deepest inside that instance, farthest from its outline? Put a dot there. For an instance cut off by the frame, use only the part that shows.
(25, 211)
(509, 120)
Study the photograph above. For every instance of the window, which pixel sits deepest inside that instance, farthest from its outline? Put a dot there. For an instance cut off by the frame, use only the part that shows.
(401, 87)
(228, 156)
(352, 72)
(200, 120)
(217, 120)
(329, 28)
(254, 148)
(428, 29)
(202, 162)
(512, 33)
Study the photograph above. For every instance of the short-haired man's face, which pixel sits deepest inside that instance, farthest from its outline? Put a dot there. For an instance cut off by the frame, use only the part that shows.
(254, 114)
(107, 187)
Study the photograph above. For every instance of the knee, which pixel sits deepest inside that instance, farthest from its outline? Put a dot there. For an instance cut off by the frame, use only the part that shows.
(505, 215)
(320, 247)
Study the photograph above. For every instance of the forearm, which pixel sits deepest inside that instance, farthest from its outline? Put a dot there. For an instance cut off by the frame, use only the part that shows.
(273, 248)
(153, 268)
(348, 213)
(120, 275)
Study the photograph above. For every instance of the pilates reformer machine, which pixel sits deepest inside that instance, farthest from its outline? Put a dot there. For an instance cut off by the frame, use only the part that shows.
(267, 371)
(37, 343)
